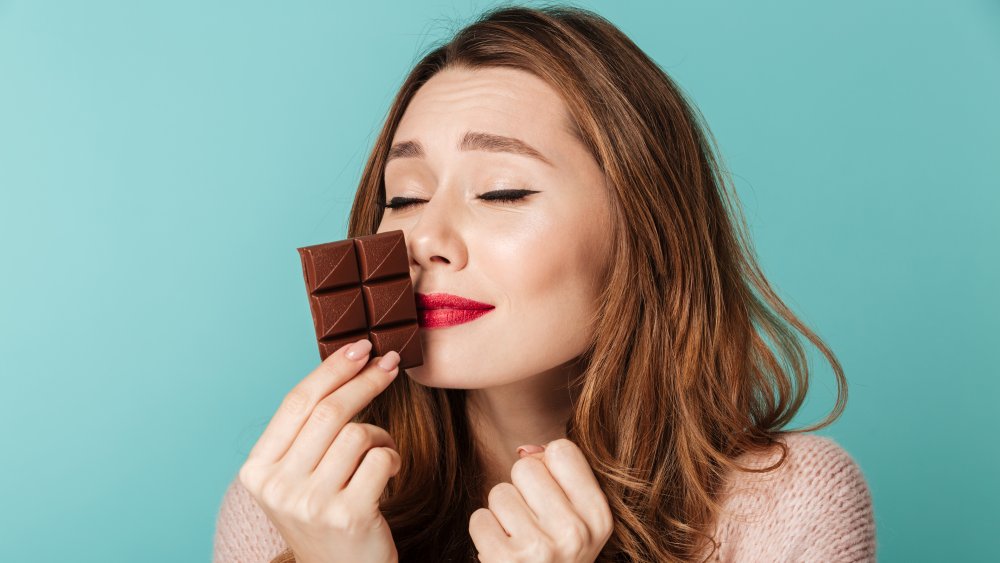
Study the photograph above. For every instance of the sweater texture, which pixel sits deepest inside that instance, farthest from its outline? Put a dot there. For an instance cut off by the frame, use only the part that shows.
(816, 507)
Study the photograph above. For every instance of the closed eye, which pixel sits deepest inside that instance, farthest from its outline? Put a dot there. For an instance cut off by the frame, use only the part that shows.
(502, 196)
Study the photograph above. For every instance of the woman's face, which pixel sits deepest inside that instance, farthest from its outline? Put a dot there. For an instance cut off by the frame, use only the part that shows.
(537, 261)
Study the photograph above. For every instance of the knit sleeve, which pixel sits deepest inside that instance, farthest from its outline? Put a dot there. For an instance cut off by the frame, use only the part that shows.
(816, 508)
(243, 533)
(838, 512)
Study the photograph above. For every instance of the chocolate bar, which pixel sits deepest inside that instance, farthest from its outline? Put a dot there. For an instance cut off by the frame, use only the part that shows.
(360, 288)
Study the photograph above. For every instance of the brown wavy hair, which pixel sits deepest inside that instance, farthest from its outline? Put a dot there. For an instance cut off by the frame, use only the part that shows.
(679, 379)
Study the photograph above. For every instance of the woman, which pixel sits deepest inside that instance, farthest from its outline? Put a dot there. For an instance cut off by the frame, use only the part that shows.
(543, 167)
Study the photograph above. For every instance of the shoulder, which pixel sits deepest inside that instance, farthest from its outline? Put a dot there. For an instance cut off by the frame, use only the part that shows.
(243, 531)
(816, 506)
(813, 464)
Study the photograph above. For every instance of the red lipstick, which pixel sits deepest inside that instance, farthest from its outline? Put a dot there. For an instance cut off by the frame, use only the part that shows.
(438, 310)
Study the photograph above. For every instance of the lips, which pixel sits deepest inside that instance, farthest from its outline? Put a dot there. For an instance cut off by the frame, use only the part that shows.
(448, 301)
(436, 310)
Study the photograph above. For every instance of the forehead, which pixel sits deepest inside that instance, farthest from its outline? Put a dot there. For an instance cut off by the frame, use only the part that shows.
(495, 100)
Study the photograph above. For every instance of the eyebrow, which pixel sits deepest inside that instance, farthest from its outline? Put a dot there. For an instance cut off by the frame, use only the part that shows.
(472, 141)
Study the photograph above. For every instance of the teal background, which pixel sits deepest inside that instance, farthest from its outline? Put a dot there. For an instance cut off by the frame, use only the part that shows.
(160, 162)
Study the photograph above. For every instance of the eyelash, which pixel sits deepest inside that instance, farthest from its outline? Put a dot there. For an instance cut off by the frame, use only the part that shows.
(508, 196)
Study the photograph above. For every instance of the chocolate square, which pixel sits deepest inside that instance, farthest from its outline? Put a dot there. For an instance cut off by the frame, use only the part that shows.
(360, 288)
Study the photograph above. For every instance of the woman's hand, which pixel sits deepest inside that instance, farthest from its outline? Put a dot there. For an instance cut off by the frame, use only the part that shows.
(554, 512)
(300, 470)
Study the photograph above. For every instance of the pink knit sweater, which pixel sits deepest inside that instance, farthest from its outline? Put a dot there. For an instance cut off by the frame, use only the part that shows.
(817, 507)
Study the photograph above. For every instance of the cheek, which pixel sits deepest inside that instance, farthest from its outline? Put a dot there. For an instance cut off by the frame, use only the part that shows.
(545, 273)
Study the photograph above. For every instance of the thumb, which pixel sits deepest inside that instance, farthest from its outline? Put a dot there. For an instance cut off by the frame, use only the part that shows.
(532, 450)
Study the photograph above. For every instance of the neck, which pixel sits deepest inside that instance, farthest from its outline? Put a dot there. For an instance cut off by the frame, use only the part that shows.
(534, 410)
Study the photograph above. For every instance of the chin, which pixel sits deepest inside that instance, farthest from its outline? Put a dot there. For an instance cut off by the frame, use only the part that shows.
(428, 376)
(442, 367)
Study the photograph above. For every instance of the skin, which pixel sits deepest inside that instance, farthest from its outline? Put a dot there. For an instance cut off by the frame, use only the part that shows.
(538, 259)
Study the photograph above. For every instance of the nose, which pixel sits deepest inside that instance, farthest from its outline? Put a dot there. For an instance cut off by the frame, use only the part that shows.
(436, 241)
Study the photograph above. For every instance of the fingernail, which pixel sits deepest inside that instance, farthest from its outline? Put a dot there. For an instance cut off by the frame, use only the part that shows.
(389, 361)
(528, 449)
(359, 349)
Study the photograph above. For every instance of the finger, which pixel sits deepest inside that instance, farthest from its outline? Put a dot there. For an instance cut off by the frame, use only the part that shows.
(527, 449)
(571, 470)
(368, 482)
(512, 512)
(298, 404)
(552, 509)
(333, 412)
(342, 459)
(488, 536)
